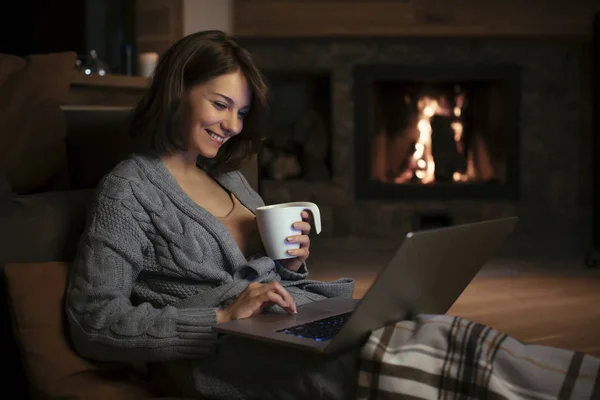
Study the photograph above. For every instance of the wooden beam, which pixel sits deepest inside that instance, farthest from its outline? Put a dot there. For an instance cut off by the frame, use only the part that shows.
(348, 18)
(159, 24)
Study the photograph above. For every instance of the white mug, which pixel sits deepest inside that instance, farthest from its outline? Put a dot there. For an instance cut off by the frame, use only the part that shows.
(275, 226)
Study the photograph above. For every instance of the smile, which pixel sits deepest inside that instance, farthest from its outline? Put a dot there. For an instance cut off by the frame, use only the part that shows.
(215, 137)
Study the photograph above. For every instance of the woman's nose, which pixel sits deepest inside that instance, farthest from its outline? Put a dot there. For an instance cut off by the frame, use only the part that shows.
(232, 124)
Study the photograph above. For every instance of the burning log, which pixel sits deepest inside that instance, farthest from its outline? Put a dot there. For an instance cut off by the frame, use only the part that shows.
(432, 147)
(447, 158)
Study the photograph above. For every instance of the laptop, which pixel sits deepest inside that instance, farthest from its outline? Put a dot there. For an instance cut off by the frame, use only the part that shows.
(426, 275)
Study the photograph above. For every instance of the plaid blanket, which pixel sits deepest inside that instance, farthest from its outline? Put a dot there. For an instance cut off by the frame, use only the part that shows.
(444, 357)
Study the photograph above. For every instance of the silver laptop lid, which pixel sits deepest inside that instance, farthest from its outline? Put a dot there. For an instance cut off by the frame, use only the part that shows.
(426, 275)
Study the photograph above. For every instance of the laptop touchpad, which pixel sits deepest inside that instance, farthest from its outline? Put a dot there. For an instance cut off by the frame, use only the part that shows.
(316, 310)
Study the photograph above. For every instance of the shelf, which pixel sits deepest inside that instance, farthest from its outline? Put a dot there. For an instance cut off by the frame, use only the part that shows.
(92, 107)
(110, 81)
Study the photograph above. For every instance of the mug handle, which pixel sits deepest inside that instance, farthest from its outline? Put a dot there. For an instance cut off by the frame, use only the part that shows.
(314, 209)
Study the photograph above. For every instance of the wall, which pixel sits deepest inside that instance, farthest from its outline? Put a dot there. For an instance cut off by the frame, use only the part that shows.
(347, 18)
(159, 23)
(548, 39)
(201, 15)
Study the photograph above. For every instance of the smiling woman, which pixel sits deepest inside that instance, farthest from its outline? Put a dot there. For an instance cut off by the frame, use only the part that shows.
(172, 247)
(201, 70)
(215, 112)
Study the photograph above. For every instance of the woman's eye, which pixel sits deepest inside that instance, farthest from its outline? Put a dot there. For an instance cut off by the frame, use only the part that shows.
(219, 106)
(242, 115)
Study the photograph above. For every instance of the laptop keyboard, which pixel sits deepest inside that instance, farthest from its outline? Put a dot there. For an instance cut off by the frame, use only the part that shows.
(319, 330)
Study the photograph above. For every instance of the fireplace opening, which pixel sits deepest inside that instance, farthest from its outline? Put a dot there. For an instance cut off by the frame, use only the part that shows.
(298, 138)
(436, 135)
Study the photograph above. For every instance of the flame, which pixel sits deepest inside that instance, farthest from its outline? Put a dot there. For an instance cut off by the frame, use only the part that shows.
(422, 164)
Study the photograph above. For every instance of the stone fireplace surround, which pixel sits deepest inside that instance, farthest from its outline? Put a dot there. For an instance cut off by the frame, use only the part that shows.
(555, 182)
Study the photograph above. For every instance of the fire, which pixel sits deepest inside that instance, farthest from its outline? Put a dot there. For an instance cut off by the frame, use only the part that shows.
(422, 164)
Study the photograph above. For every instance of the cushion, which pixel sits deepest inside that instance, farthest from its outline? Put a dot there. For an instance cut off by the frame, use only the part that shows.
(32, 125)
(36, 296)
(41, 227)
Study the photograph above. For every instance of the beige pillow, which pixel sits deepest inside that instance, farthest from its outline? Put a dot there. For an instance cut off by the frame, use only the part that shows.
(36, 293)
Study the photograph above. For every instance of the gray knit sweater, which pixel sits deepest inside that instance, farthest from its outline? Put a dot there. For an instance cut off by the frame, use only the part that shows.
(153, 267)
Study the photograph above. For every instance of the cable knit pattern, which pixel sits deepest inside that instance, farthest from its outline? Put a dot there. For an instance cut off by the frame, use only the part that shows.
(153, 268)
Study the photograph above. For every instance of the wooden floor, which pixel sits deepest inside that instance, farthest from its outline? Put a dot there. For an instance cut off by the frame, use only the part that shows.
(556, 311)
(541, 302)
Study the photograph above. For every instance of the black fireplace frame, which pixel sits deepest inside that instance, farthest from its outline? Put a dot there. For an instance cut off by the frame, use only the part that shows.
(365, 75)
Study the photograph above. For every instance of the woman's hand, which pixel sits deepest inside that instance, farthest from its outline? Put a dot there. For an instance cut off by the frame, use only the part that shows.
(294, 264)
(254, 299)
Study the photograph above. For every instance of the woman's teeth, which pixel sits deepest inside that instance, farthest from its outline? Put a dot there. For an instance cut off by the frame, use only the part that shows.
(215, 136)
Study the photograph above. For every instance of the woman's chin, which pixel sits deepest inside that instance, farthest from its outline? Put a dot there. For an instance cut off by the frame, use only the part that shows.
(211, 149)
(208, 153)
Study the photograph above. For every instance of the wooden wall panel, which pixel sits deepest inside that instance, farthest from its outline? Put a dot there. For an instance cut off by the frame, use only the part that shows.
(311, 18)
(159, 24)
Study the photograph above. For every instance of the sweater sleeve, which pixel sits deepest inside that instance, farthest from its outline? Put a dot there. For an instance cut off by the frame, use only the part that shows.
(104, 324)
(288, 275)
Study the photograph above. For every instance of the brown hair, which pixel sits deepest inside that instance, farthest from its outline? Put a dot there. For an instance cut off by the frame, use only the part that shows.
(193, 60)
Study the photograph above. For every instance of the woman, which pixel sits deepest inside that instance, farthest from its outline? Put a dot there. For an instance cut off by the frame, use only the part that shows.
(171, 246)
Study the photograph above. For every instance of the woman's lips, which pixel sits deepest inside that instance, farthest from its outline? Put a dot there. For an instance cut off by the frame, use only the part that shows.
(214, 137)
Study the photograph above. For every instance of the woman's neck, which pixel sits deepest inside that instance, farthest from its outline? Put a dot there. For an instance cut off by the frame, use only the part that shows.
(181, 163)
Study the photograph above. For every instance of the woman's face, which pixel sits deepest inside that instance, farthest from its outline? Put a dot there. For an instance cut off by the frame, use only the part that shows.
(215, 112)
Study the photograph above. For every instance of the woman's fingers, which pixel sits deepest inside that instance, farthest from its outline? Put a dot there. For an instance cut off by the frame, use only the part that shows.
(302, 226)
(275, 298)
(304, 240)
(286, 296)
(259, 296)
(288, 300)
(306, 216)
(302, 253)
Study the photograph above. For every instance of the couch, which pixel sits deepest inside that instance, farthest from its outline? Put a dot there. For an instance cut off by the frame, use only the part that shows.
(51, 159)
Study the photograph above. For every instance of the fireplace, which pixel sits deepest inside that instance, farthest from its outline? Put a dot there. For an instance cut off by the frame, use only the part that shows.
(445, 131)
(524, 99)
